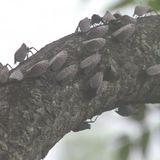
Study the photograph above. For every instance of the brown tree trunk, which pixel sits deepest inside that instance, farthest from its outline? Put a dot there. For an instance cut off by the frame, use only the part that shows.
(35, 113)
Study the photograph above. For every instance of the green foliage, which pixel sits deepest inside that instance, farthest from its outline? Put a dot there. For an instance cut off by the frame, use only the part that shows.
(123, 150)
(144, 141)
(154, 4)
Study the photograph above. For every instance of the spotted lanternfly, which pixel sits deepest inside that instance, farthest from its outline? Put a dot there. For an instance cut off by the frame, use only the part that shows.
(22, 53)
(16, 75)
(95, 44)
(114, 25)
(4, 74)
(97, 32)
(111, 74)
(124, 33)
(58, 61)
(82, 126)
(90, 61)
(102, 88)
(153, 70)
(96, 80)
(117, 15)
(127, 110)
(96, 19)
(67, 72)
(38, 69)
(84, 25)
(127, 20)
(141, 10)
(108, 17)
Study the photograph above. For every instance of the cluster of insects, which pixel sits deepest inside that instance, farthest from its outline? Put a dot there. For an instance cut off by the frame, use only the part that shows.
(87, 23)
(95, 29)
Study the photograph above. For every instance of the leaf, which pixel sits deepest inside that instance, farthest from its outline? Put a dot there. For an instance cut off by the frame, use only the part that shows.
(123, 151)
(144, 141)
(155, 4)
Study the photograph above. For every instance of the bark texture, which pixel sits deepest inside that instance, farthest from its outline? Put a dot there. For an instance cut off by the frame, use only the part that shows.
(35, 113)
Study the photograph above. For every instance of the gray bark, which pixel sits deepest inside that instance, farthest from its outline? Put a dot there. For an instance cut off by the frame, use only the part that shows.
(36, 113)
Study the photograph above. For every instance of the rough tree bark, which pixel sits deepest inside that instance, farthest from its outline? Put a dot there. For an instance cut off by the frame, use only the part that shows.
(36, 113)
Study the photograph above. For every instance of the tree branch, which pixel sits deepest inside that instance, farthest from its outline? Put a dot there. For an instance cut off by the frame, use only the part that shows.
(37, 112)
